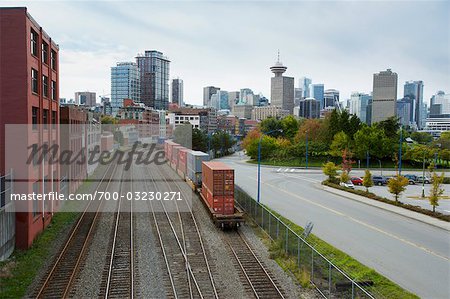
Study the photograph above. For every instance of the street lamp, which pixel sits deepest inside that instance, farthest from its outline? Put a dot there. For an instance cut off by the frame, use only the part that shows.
(367, 159)
(400, 152)
(259, 159)
(381, 169)
(423, 177)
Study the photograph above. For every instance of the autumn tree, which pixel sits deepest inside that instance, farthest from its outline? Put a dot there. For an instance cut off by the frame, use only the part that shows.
(436, 191)
(344, 177)
(367, 180)
(397, 185)
(330, 169)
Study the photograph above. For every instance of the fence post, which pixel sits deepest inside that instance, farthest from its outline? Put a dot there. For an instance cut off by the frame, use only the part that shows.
(312, 265)
(298, 252)
(287, 238)
(329, 281)
(262, 216)
(353, 290)
(270, 221)
(278, 227)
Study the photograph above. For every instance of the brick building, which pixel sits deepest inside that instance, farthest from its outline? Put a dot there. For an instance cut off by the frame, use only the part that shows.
(29, 94)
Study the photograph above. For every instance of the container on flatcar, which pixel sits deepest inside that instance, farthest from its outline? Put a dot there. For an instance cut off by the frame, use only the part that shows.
(168, 146)
(194, 166)
(218, 187)
(182, 161)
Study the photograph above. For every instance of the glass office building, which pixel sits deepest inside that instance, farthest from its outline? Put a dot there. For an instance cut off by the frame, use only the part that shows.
(125, 84)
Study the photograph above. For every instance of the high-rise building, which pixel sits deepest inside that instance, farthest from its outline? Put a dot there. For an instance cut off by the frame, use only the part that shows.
(282, 88)
(177, 92)
(85, 98)
(154, 75)
(246, 97)
(298, 95)
(330, 98)
(233, 98)
(440, 105)
(219, 100)
(262, 113)
(414, 91)
(358, 105)
(29, 94)
(125, 84)
(208, 91)
(304, 83)
(308, 108)
(404, 108)
(384, 97)
(317, 91)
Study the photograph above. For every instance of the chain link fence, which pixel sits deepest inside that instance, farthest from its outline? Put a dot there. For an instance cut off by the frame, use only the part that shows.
(7, 216)
(327, 278)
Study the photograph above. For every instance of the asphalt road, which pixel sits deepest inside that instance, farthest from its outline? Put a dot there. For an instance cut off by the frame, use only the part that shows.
(411, 253)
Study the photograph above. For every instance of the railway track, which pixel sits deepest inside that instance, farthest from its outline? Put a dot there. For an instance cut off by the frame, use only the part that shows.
(60, 278)
(189, 273)
(252, 269)
(119, 274)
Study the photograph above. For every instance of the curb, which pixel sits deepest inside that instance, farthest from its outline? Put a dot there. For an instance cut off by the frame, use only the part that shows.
(390, 208)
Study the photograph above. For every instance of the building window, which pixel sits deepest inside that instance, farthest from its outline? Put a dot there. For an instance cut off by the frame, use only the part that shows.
(53, 119)
(34, 117)
(45, 118)
(53, 90)
(36, 156)
(53, 59)
(34, 42)
(35, 202)
(34, 80)
(45, 86)
(45, 52)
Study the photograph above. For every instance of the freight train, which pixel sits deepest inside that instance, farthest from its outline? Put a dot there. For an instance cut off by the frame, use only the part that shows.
(212, 181)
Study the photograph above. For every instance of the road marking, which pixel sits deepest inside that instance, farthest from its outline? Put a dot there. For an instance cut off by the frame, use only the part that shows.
(292, 170)
(360, 222)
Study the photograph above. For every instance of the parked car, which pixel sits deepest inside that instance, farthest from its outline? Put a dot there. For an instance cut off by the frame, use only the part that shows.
(379, 180)
(412, 179)
(356, 181)
(349, 184)
(422, 179)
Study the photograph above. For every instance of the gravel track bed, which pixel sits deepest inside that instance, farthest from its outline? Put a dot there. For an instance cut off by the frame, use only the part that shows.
(290, 287)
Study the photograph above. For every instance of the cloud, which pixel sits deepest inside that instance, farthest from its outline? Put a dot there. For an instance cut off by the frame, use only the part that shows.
(233, 44)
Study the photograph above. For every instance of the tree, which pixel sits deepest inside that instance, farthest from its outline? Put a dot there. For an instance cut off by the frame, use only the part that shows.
(354, 125)
(199, 140)
(271, 124)
(330, 169)
(340, 142)
(347, 160)
(389, 126)
(436, 191)
(444, 140)
(290, 126)
(268, 145)
(183, 135)
(344, 177)
(367, 180)
(397, 185)
(422, 137)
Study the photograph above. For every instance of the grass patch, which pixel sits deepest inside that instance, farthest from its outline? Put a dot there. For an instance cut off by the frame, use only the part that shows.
(19, 271)
(382, 287)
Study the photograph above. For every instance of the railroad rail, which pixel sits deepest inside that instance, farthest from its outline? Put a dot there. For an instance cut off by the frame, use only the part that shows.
(253, 270)
(60, 278)
(120, 271)
(189, 273)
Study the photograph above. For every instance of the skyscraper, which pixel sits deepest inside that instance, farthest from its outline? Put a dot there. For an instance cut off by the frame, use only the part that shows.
(177, 92)
(85, 98)
(440, 105)
(404, 111)
(304, 83)
(219, 100)
(309, 108)
(246, 97)
(208, 91)
(154, 75)
(282, 88)
(330, 98)
(125, 84)
(233, 98)
(317, 91)
(414, 91)
(384, 96)
(358, 105)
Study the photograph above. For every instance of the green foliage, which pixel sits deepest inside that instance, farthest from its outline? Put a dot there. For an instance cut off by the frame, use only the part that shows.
(390, 127)
(106, 119)
(290, 127)
(199, 140)
(344, 177)
(367, 180)
(340, 142)
(436, 191)
(373, 140)
(422, 137)
(183, 135)
(221, 142)
(330, 169)
(397, 185)
(444, 140)
(271, 124)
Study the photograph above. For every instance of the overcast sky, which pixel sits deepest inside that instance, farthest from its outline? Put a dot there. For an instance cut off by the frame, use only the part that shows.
(233, 44)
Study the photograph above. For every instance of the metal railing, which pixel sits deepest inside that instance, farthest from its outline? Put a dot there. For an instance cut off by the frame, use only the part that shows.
(327, 278)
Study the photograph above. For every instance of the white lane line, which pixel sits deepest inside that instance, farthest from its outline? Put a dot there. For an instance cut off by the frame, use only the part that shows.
(372, 227)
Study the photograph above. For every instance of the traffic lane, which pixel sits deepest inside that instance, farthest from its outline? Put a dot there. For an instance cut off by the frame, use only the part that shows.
(396, 260)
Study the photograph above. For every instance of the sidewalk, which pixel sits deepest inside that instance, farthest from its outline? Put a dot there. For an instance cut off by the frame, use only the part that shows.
(391, 208)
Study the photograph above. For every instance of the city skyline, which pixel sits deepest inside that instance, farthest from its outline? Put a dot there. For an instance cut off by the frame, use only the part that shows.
(344, 58)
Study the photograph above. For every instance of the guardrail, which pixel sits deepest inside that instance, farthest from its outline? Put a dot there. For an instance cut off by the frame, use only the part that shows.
(327, 278)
